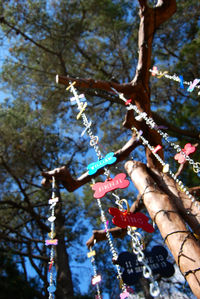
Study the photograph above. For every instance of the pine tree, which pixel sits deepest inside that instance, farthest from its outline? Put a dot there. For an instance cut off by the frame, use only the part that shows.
(95, 44)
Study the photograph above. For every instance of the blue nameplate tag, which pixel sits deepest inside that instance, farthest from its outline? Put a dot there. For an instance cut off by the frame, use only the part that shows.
(93, 167)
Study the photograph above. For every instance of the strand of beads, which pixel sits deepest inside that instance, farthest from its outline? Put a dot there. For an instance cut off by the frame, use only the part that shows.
(176, 78)
(179, 182)
(52, 242)
(110, 242)
(86, 123)
(93, 143)
(96, 278)
(137, 246)
(151, 123)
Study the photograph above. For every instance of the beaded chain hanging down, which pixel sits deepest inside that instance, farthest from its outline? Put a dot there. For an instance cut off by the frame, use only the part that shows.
(192, 85)
(137, 246)
(52, 242)
(93, 167)
(179, 182)
(96, 278)
(150, 122)
(93, 143)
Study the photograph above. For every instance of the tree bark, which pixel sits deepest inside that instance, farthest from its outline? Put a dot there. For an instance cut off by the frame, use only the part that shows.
(64, 277)
(163, 211)
(185, 206)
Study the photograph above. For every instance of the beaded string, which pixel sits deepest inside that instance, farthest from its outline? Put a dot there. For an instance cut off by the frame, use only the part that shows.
(135, 241)
(110, 242)
(151, 123)
(92, 254)
(87, 124)
(93, 143)
(137, 246)
(52, 242)
(154, 289)
(176, 78)
(179, 182)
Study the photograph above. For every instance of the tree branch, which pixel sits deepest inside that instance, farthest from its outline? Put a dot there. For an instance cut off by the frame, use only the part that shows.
(150, 20)
(195, 191)
(18, 31)
(143, 4)
(138, 90)
(100, 235)
(164, 10)
(26, 198)
(161, 121)
(63, 175)
(21, 253)
(187, 209)
(125, 88)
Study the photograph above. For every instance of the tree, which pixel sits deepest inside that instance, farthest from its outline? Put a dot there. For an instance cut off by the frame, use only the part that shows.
(13, 282)
(70, 45)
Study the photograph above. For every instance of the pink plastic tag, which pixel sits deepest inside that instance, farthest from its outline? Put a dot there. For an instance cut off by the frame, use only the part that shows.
(157, 148)
(128, 102)
(51, 242)
(188, 149)
(101, 189)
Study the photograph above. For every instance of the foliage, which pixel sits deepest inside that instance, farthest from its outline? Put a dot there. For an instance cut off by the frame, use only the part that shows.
(13, 283)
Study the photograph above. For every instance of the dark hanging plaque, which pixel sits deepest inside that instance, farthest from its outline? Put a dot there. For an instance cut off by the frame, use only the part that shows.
(156, 260)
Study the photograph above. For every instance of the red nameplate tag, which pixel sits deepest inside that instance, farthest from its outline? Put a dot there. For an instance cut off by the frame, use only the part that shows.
(124, 219)
(109, 185)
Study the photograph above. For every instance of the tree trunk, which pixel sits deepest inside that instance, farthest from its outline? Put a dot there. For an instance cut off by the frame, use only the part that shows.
(163, 211)
(64, 277)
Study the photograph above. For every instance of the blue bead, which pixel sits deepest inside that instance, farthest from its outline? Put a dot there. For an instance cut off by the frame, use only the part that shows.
(51, 289)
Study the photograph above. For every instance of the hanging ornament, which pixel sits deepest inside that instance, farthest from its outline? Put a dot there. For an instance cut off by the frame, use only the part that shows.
(191, 84)
(166, 167)
(93, 167)
(181, 82)
(157, 148)
(126, 294)
(137, 245)
(128, 102)
(52, 242)
(133, 268)
(188, 149)
(96, 278)
(110, 184)
(151, 123)
(125, 218)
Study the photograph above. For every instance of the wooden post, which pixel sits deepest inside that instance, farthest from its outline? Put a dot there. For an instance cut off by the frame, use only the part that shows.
(180, 241)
